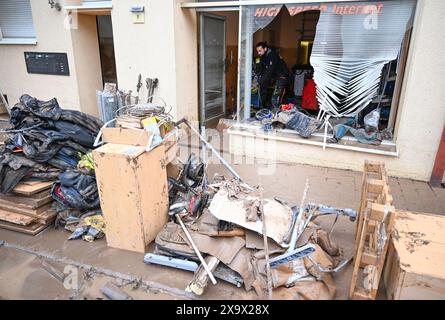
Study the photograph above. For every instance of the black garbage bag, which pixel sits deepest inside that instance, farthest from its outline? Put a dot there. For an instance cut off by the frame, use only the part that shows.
(76, 190)
(14, 168)
(91, 123)
(76, 133)
(10, 177)
(43, 109)
(16, 162)
(66, 158)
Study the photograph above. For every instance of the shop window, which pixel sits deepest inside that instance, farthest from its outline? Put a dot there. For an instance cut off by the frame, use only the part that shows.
(16, 22)
(354, 53)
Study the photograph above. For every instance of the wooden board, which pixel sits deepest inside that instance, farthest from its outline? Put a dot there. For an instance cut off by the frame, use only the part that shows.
(415, 267)
(133, 137)
(15, 218)
(32, 229)
(35, 201)
(27, 189)
(23, 208)
(133, 193)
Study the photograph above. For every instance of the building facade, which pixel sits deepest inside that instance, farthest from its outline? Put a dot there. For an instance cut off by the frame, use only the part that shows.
(199, 52)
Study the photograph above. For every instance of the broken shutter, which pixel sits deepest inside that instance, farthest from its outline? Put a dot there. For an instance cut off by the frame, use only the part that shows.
(353, 42)
(16, 19)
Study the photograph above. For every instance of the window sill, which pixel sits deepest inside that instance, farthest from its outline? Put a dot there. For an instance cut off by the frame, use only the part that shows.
(32, 41)
(387, 148)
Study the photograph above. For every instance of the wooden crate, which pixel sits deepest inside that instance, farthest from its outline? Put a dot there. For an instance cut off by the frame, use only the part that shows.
(374, 225)
(415, 265)
(133, 194)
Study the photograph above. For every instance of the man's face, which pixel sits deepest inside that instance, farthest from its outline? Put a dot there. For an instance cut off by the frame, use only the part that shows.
(261, 51)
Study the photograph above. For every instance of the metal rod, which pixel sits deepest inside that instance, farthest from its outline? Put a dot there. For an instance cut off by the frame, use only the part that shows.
(294, 237)
(204, 264)
(223, 161)
(266, 247)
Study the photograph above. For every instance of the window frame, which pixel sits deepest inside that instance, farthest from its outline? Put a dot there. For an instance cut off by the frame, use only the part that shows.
(19, 40)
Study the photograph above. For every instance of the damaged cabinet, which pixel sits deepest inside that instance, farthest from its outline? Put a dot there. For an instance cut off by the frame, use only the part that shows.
(415, 266)
(133, 194)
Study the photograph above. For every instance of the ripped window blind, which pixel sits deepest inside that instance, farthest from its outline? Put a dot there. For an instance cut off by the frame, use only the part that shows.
(353, 42)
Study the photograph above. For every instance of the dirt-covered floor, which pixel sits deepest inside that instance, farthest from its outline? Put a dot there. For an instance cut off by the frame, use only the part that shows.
(22, 275)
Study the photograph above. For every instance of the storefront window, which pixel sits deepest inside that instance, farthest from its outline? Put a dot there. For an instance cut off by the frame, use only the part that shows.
(354, 46)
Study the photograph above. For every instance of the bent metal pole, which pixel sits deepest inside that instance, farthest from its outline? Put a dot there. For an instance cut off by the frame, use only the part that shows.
(216, 153)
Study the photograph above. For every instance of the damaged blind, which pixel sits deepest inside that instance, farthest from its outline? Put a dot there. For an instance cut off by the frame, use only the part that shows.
(353, 42)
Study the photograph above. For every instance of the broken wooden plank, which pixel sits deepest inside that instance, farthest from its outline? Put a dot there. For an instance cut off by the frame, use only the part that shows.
(28, 190)
(32, 229)
(15, 218)
(23, 209)
(27, 202)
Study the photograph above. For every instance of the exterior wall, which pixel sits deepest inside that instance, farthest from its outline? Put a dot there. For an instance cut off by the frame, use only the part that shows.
(76, 91)
(51, 37)
(421, 114)
(147, 48)
(164, 47)
(186, 55)
(87, 62)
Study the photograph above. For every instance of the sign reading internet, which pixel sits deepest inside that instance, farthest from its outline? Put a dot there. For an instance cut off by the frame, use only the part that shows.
(337, 9)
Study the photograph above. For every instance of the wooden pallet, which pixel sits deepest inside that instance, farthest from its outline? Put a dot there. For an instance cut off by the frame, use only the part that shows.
(376, 216)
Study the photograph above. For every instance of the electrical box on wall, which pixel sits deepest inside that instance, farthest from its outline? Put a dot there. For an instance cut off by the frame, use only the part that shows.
(47, 63)
(138, 13)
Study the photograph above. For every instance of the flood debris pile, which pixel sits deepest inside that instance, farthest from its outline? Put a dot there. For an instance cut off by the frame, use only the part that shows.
(49, 143)
(216, 231)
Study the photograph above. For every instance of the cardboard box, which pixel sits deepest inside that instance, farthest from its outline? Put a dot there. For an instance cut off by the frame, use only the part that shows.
(133, 192)
(415, 264)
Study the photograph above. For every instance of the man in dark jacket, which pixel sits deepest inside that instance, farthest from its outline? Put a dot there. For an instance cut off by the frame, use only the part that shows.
(272, 71)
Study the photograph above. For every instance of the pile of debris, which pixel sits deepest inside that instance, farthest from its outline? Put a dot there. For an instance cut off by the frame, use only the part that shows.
(226, 230)
(293, 117)
(48, 143)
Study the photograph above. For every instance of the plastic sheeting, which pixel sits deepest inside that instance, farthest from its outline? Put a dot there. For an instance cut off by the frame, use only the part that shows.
(351, 48)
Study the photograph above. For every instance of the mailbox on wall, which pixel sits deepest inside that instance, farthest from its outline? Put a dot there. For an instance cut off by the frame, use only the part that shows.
(47, 63)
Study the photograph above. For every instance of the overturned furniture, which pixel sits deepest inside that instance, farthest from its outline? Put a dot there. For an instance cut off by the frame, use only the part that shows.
(415, 265)
(132, 186)
(374, 226)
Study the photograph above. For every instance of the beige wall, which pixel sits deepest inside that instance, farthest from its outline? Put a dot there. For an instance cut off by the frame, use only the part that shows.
(422, 110)
(147, 48)
(186, 55)
(164, 47)
(76, 91)
(51, 37)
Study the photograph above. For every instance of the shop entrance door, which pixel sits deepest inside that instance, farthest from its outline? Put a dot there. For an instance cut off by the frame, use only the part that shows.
(212, 88)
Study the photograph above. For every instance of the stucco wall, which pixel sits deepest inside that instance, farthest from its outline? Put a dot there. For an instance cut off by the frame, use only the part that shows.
(147, 49)
(186, 55)
(76, 91)
(51, 37)
(421, 117)
(87, 62)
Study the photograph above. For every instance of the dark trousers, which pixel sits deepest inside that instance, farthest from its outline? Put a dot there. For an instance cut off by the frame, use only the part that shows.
(279, 93)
